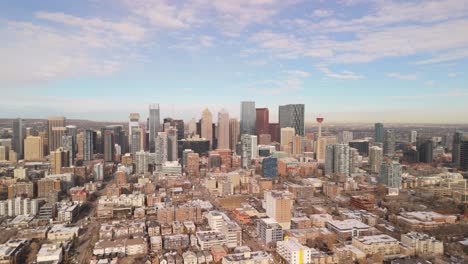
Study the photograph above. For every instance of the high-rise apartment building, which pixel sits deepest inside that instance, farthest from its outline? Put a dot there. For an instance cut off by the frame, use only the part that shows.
(322, 142)
(249, 149)
(278, 206)
(68, 144)
(379, 132)
(375, 158)
(161, 150)
(223, 129)
(292, 115)
(389, 142)
(135, 140)
(154, 125)
(248, 118)
(337, 159)
(390, 173)
(33, 149)
(56, 129)
(59, 158)
(287, 135)
(193, 164)
(207, 126)
(413, 136)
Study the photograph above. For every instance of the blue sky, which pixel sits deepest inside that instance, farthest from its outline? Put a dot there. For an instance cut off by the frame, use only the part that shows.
(347, 60)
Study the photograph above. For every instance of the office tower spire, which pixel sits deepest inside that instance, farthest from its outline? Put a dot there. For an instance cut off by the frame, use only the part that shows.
(223, 129)
(154, 125)
(248, 118)
(207, 126)
(56, 129)
(18, 137)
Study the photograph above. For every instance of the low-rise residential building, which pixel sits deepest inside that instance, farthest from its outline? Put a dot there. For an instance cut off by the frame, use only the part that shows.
(320, 220)
(269, 230)
(256, 257)
(209, 239)
(13, 250)
(377, 244)
(293, 252)
(423, 244)
(49, 253)
(61, 233)
(348, 228)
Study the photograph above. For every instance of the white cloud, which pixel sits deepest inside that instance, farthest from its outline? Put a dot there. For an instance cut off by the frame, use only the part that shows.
(298, 73)
(397, 75)
(430, 83)
(69, 46)
(322, 12)
(452, 74)
(344, 75)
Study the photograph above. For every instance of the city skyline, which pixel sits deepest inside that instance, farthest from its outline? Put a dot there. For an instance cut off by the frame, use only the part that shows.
(349, 61)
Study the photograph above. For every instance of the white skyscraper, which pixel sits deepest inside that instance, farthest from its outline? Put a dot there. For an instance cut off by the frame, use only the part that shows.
(375, 158)
(414, 136)
(249, 149)
(223, 129)
(98, 172)
(161, 150)
(346, 137)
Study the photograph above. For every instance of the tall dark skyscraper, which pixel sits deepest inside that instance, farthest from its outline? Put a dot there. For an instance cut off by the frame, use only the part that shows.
(154, 125)
(379, 132)
(248, 117)
(18, 137)
(464, 153)
(389, 142)
(89, 138)
(425, 149)
(457, 140)
(262, 121)
(292, 115)
(109, 145)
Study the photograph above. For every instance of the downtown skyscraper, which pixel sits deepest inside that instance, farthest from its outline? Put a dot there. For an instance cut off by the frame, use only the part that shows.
(18, 137)
(207, 126)
(56, 129)
(248, 118)
(379, 132)
(223, 129)
(262, 121)
(154, 125)
(292, 115)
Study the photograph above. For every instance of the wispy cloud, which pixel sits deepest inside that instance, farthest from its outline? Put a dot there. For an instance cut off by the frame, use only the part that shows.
(322, 12)
(344, 75)
(454, 93)
(397, 75)
(452, 74)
